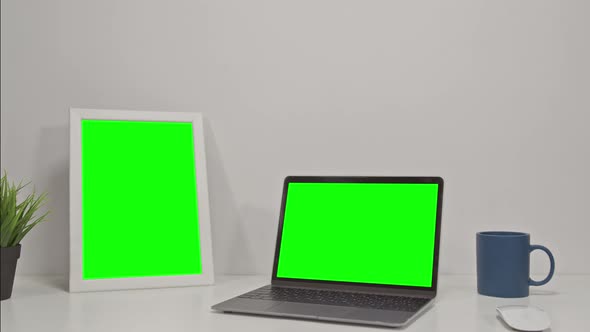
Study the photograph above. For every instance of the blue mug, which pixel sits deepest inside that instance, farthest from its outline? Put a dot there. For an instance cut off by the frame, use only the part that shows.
(503, 264)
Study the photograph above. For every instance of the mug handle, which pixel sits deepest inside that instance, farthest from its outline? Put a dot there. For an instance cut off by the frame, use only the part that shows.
(551, 268)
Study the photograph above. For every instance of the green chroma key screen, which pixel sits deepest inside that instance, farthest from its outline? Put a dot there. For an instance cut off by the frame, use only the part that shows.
(139, 200)
(378, 233)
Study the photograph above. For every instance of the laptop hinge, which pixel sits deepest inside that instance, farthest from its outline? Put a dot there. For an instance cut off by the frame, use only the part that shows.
(357, 288)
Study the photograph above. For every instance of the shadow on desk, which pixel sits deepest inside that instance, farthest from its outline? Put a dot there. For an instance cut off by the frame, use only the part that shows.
(508, 328)
(31, 287)
(319, 321)
(59, 283)
(542, 292)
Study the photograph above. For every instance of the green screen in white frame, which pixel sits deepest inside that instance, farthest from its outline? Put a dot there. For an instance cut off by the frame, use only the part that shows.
(139, 199)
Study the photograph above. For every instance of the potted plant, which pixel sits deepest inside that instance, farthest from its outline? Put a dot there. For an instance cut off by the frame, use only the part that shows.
(16, 220)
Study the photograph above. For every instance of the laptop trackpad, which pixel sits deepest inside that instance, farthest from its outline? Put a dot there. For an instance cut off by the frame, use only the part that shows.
(311, 310)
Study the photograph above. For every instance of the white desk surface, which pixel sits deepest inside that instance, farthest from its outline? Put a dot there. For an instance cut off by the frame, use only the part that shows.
(42, 304)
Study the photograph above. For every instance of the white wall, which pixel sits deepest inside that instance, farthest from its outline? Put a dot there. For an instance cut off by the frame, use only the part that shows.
(492, 95)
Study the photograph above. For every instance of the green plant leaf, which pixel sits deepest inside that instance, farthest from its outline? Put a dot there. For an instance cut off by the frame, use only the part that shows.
(22, 234)
(17, 219)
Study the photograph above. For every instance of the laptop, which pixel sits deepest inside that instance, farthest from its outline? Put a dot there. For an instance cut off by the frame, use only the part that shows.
(352, 250)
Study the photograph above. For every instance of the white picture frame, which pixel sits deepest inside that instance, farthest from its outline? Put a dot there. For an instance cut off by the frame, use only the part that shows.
(76, 281)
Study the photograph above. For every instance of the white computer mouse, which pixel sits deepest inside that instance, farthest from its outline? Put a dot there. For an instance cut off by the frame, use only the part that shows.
(524, 318)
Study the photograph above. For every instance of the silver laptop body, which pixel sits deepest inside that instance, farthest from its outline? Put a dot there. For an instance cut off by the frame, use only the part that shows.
(362, 302)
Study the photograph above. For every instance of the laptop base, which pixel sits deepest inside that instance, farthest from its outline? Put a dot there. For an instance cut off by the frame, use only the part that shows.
(321, 312)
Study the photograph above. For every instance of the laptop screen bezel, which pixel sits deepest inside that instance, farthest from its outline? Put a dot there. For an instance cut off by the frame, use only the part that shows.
(359, 285)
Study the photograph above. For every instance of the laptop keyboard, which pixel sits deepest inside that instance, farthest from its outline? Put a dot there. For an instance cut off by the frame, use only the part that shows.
(360, 300)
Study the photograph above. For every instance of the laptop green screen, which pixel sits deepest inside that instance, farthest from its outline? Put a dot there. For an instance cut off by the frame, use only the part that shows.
(377, 233)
